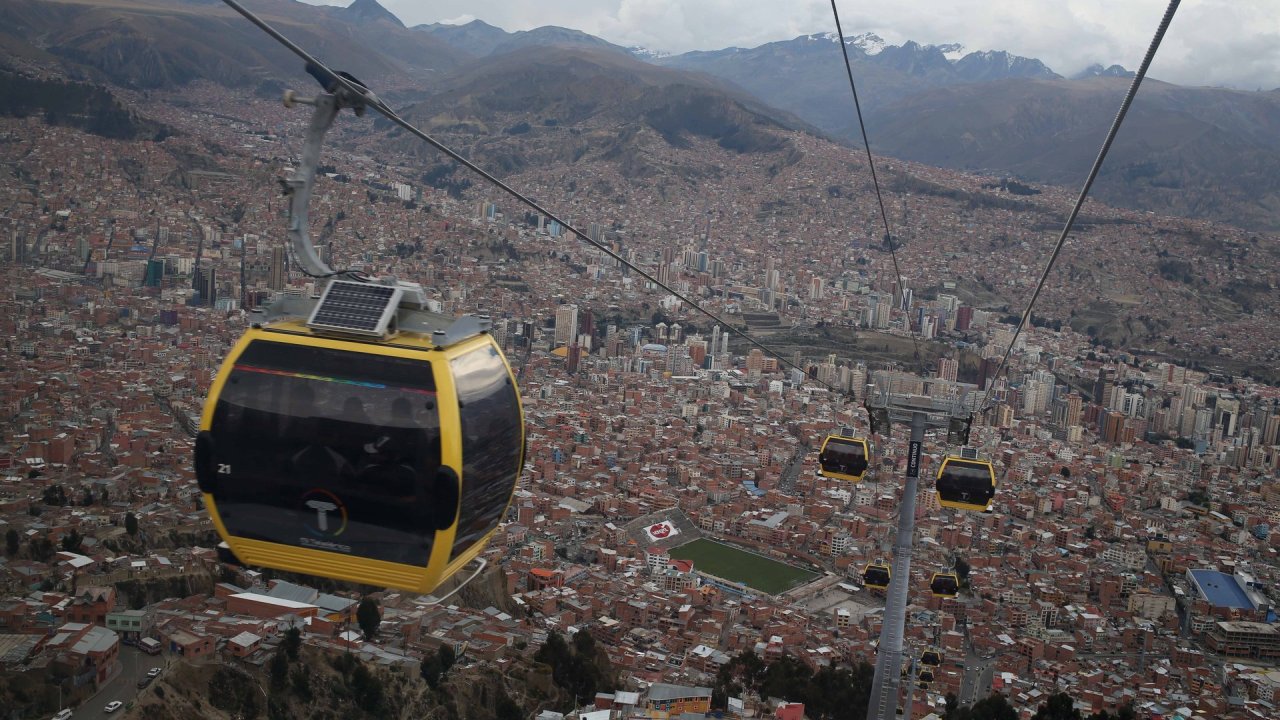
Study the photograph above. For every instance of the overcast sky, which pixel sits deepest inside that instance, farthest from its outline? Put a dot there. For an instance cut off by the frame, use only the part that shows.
(1211, 42)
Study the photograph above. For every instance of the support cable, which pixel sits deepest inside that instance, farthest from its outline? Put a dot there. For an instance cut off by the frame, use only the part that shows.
(340, 80)
(875, 181)
(1084, 192)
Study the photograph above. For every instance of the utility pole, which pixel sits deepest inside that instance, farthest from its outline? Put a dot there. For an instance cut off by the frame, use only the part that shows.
(884, 688)
(920, 412)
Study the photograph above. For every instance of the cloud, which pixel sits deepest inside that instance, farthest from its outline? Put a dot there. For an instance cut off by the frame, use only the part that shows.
(1211, 42)
(460, 20)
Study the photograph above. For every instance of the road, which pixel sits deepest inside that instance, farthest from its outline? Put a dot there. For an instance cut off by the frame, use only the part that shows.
(976, 683)
(787, 481)
(134, 665)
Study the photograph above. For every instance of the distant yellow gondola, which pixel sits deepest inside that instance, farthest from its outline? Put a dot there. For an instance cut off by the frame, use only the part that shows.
(931, 658)
(388, 462)
(966, 484)
(844, 458)
(876, 576)
(945, 585)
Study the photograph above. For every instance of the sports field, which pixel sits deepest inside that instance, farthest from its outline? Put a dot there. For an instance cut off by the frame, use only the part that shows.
(761, 573)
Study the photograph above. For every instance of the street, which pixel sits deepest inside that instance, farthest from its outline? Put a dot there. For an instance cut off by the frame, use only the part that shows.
(976, 684)
(787, 481)
(134, 665)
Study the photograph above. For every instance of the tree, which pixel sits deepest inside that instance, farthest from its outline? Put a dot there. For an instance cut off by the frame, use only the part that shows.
(783, 676)
(447, 657)
(583, 643)
(962, 569)
(507, 709)
(11, 542)
(1065, 472)
(430, 670)
(578, 669)
(279, 670)
(1059, 706)
(368, 690)
(71, 541)
(369, 616)
(131, 524)
(234, 692)
(300, 678)
(40, 549)
(55, 495)
(994, 707)
(292, 642)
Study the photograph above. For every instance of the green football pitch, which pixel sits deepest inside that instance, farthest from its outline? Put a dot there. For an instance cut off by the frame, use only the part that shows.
(757, 571)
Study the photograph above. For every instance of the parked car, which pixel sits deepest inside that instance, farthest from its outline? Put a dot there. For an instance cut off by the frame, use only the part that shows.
(63, 714)
(153, 672)
(113, 706)
(144, 682)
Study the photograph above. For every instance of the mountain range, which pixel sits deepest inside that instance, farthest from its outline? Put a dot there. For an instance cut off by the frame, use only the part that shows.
(1201, 152)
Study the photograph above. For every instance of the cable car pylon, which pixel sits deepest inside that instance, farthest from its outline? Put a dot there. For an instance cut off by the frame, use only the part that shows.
(920, 412)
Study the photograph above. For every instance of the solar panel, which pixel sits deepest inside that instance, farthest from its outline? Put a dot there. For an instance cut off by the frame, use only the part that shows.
(356, 307)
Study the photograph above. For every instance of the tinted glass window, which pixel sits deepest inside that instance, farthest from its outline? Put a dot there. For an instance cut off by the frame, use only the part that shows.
(844, 458)
(491, 442)
(328, 449)
(966, 482)
(966, 474)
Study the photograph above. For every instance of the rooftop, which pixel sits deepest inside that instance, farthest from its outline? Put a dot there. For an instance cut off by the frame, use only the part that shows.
(1221, 589)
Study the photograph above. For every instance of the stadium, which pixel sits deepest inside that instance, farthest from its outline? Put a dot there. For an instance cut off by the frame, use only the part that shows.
(726, 567)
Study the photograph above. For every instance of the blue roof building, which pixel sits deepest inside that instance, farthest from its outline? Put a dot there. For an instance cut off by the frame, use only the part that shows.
(1220, 589)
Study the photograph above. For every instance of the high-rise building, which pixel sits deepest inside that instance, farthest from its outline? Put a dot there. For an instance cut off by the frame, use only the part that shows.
(205, 285)
(697, 350)
(1075, 409)
(276, 279)
(1226, 415)
(572, 358)
(882, 310)
(566, 324)
(154, 276)
(1271, 430)
(948, 369)
(1103, 386)
(755, 363)
(17, 247)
